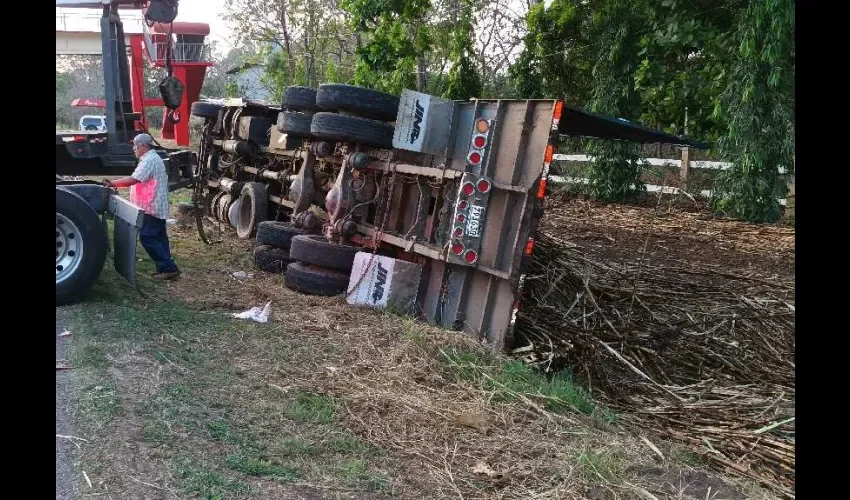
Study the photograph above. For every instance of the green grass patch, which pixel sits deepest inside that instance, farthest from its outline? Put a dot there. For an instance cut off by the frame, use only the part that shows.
(254, 467)
(312, 407)
(346, 444)
(507, 380)
(200, 480)
(88, 354)
(605, 465)
(156, 432)
(293, 447)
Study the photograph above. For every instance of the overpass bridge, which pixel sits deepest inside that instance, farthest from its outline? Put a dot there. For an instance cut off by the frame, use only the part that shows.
(78, 33)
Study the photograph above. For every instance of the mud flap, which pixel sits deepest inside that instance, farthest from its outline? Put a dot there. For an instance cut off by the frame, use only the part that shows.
(128, 220)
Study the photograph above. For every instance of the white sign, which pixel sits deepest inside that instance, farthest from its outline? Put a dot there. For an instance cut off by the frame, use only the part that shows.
(411, 122)
(374, 286)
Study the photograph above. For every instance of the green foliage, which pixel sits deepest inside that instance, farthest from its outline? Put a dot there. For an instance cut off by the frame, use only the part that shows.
(558, 55)
(683, 65)
(758, 107)
(398, 38)
(615, 174)
(464, 81)
(298, 42)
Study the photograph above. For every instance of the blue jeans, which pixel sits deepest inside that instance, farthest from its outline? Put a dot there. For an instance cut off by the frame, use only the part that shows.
(155, 240)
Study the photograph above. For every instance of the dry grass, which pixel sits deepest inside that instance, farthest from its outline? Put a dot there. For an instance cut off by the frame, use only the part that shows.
(330, 401)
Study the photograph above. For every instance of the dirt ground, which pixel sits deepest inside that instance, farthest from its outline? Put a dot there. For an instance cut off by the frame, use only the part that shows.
(178, 400)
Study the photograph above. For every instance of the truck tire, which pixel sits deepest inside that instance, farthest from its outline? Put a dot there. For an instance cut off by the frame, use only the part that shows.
(253, 209)
(314, 280)
(357, 101)
(315, 249)
(277, 234)
(205, 109)
(345, 128)
(80, 247)
(292, 122)
(270, 259)
(299, 99)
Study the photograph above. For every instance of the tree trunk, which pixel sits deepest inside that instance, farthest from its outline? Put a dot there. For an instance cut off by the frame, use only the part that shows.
(287, 41)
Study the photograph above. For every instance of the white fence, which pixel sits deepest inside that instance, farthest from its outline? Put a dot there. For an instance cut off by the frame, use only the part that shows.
(711, 165)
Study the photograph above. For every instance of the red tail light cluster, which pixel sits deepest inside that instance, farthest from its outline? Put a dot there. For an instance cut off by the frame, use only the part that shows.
(472, 195)
(478, 142)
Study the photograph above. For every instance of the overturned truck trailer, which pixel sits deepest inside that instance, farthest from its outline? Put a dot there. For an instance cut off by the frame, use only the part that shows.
(454, 188)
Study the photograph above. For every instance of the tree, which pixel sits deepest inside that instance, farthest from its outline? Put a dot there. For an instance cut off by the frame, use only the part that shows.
(758, 107)
(463, 81)
(393, 57)
(62, 82)
(298, 42)
(615, 173)
(81, 77)
(217, 83)
(558, 54)
(682, 71)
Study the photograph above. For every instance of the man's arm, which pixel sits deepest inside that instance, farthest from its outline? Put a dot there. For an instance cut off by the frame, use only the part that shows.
(121, 183)
(142, 173)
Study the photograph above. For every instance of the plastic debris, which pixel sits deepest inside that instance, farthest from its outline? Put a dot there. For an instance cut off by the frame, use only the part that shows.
(258, 314)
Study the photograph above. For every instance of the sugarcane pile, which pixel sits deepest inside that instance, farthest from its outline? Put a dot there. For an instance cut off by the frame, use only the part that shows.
(699, 354)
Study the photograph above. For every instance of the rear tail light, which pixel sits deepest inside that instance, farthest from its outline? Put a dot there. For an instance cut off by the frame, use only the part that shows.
(479, 141)
(461, 218)
(471, 256)
(529, 246)
(467, 189)
(459, 232)
(481, 126)
(474, 158)
(484, 186)
(463, 205)
(457, 248)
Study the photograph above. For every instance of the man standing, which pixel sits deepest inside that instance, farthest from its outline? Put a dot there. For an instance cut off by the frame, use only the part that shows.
(149, 190)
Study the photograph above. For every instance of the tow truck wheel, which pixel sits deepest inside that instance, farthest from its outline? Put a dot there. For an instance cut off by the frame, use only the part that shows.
(205, 109)
(80, 247)
(253, 209)
(334, 127)
(359, 101)
(315, 249)
(315, 280)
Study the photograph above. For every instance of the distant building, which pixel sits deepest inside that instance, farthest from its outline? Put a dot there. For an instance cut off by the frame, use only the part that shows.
(248, 78)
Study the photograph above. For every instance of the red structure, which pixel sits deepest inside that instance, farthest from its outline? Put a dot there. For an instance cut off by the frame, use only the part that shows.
(189, 62)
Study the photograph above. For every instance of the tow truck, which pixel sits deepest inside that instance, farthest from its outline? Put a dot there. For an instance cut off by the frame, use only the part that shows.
(82, 206)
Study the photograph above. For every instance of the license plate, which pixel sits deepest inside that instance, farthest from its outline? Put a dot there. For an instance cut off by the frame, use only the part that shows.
(474, 221)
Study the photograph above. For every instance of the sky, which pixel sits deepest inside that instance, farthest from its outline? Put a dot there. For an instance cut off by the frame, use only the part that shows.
(210, 12)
